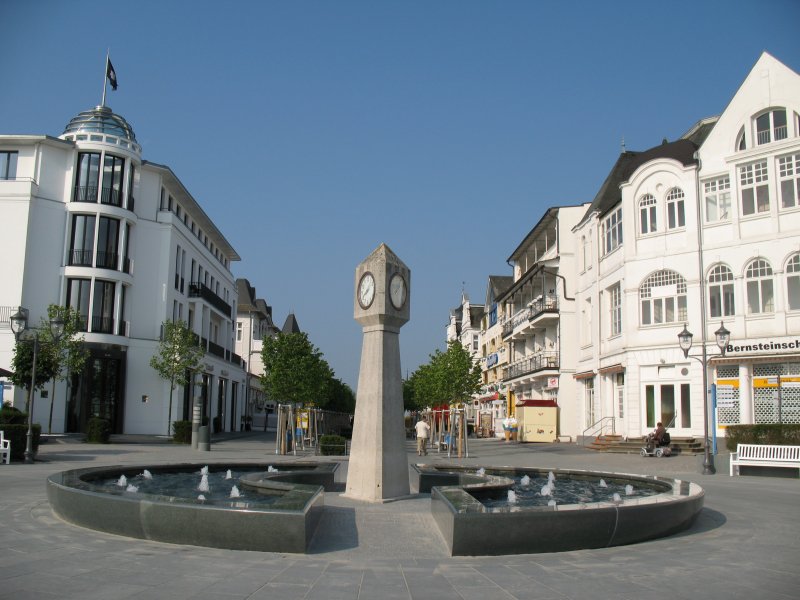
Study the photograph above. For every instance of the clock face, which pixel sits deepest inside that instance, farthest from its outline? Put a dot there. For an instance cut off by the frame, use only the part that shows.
(366, 290)
(397, 291)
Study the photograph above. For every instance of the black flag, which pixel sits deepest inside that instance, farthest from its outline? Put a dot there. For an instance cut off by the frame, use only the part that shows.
(111, 74)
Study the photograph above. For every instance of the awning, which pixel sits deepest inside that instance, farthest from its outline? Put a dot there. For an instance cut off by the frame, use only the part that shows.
(547, 403)
(618, 368)
(584, 375)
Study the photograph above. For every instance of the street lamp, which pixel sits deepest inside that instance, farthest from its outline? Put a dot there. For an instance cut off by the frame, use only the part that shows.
(723, 337)
(19, 325)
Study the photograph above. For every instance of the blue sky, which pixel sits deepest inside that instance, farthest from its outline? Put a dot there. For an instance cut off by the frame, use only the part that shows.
(313, 131)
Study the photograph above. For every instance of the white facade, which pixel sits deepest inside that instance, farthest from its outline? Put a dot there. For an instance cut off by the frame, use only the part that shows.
(87, 223)
(539, 318)
(700, 231)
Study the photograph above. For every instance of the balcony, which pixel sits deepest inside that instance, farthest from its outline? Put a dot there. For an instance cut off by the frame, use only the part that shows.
(107, 260)
(200, 290)
(102, 325)
(111, 196)
(541, 361)
(534, 312)
(85, 193)
(80, 258)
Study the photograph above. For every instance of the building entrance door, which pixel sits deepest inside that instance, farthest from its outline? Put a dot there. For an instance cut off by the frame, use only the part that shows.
(97, 392)
(669, 403)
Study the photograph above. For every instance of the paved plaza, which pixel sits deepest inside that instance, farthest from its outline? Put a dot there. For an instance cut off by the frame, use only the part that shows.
(745, 543)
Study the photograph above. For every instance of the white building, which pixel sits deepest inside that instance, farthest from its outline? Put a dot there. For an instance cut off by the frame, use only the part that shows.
(87, 223)
(539, 318)
(697, 232)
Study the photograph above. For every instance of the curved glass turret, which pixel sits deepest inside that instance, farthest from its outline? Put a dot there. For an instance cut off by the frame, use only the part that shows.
(101, 119)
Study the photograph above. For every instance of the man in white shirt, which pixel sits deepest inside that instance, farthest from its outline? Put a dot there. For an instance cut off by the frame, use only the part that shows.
(423, 431)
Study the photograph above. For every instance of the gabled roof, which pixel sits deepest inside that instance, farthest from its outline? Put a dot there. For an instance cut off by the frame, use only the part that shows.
(498, 284)
(290, 325)
(609, 195)
(248, 303)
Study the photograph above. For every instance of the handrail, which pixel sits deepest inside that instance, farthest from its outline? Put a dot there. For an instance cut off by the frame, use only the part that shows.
(600, 427)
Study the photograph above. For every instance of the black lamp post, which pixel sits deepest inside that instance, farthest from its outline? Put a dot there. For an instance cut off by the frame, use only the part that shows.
(19, 325)
(723, 337)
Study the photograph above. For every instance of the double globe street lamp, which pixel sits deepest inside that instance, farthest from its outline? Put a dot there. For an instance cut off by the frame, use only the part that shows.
(723, 338)
(19, 325)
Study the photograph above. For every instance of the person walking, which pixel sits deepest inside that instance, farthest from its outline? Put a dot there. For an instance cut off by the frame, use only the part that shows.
(423, 431)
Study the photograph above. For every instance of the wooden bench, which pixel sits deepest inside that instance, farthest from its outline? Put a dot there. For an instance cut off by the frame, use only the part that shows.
(5, 449)
(762, 455)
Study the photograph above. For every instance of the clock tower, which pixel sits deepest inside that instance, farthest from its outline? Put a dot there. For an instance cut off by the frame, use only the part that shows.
(378, 467)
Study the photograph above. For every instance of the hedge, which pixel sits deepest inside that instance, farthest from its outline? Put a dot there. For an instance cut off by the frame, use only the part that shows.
(98, 431)
(182, 432)
(332, 445)
(772, 434)
(18, 436)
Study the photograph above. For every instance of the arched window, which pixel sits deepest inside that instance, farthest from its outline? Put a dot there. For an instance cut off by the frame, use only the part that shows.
(793, 282)
(647, 214)
(662, 298)
(740, 141)
(760, 294)
(771, 126)
(675, 213)
(720, 292)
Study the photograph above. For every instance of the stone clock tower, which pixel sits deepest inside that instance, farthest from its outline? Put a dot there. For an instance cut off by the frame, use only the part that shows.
(378, 467)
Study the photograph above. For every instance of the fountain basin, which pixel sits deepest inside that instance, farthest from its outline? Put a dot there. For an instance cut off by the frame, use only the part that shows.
(470, 528)
(285, 523)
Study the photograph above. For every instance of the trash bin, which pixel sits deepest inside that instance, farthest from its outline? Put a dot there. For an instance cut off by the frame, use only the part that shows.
(203, 439)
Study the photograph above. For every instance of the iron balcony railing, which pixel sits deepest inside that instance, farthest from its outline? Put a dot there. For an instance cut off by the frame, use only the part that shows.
(110, 196)
(216, 349)
(107, 260)
(547, 303)
(537, 362)
(200, 290)
(102, 325)
(80, 258)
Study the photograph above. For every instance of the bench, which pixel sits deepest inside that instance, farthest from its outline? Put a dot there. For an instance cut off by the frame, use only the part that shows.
(762, 455)
(5, 449)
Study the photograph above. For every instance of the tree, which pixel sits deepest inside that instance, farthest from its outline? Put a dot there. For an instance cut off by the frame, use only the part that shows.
(294, 370)
(178, 356)
(70, 353)
(46, 361)
(340, 397)
(449, 377)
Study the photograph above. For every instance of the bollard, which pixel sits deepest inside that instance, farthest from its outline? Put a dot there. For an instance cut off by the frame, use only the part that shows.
(203, 439)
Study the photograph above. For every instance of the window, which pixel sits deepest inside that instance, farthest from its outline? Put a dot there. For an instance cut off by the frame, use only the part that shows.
(588, 398)
(88, 177)
(239, 326)
(647, 214)
(178, 268)
(586, 322)
(754, 183)
(475, 343)
(107, 243)
(717, 195)
(675, 213)
(113, 177)
(78, 291)
(619, 388)
(81, 248)
(789, 180)
(741, 144)
(103, 307)
(771, 126)
(612, 231)
(663, 298)
(615, 304)
(760, 298)
(720, 292)
(793, 282)
(8, 165)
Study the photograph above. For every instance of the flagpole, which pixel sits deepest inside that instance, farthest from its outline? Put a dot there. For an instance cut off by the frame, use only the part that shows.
(105, 79)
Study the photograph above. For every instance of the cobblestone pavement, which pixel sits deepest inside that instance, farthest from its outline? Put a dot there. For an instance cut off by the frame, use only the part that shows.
(745, 543)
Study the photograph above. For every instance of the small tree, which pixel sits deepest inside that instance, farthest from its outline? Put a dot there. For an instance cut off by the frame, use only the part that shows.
(46, 362)
(70, 353)
(294, 370)
(177, 357)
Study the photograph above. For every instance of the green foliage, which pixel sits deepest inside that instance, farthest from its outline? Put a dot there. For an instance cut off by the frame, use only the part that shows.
(12, 416)
(450, 377)
(98, 431)
(340, 397)
(18, 436)
(332, 445)
(294, 370)
(772, 434)
(178, 356)
(182, 432)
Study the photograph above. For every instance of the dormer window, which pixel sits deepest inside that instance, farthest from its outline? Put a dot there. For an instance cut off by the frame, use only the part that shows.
(771, 126)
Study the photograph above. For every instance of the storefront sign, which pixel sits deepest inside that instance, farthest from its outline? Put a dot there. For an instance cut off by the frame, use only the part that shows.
(552, 382)
(765, 346)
